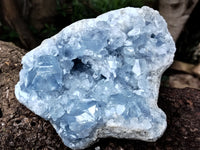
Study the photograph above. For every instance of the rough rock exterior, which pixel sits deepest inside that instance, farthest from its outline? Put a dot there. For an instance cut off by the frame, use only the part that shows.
(100, 77)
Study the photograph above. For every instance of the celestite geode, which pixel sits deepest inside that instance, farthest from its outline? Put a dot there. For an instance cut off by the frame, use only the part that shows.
(100, 77)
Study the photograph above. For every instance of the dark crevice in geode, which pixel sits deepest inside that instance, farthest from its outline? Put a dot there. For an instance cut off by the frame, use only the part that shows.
(103, 77)
(1, 114)
(80, 66)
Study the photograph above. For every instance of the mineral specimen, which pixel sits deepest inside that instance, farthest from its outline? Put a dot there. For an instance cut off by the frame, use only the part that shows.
(100, 77)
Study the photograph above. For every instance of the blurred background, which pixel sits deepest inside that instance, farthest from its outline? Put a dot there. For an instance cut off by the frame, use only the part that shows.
(27, 22)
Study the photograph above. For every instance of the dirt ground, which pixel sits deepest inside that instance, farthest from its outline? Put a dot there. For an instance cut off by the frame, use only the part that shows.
(22, 129)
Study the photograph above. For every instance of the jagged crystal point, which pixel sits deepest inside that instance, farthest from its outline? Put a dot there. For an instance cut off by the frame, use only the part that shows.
(100, 77)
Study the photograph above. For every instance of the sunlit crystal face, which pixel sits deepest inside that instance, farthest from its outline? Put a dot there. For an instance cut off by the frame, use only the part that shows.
(100, 77)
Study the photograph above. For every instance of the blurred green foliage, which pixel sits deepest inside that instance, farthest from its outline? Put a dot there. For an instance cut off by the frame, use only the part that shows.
(92, 8)
(8, 33)
(49, 29)
(61, 8)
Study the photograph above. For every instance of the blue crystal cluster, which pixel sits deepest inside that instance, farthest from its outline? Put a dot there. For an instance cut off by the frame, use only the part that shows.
(100, 77)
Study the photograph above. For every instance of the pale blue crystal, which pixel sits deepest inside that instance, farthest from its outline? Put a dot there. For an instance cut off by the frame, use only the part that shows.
(100, 77)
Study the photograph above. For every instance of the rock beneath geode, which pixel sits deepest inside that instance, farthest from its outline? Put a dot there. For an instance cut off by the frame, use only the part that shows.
(100, 77)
